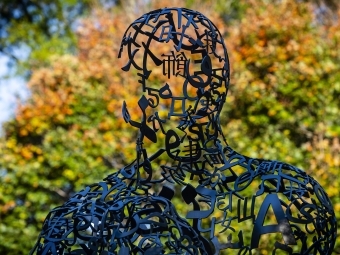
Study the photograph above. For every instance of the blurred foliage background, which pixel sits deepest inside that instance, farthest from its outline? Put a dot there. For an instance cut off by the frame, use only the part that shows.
(283, 103)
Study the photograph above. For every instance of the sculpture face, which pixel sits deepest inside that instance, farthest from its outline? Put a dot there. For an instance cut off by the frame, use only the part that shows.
(188, 51)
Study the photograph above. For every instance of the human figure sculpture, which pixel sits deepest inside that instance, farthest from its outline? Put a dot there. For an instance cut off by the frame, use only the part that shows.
(235, 203)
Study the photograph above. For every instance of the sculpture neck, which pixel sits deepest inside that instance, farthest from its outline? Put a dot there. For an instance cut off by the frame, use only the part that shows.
(190, 147)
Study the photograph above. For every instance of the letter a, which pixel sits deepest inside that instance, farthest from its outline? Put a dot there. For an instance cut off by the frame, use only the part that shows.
(283, 224)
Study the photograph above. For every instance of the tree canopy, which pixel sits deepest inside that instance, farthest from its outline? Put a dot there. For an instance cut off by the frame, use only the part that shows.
(41, 28)
(283, 104)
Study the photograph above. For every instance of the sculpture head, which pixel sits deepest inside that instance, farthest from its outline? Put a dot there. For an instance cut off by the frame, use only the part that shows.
(183, 69)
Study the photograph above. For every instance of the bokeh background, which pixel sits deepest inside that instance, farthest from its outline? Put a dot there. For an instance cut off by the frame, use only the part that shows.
(283, 103)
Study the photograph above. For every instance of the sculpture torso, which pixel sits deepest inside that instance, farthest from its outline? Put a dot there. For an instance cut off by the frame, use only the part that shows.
(227, 211)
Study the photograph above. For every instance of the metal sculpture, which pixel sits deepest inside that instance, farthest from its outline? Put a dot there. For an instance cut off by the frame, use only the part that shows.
(235, 203)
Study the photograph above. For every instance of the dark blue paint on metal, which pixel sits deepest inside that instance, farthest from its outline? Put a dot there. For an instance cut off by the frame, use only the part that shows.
(125, 215)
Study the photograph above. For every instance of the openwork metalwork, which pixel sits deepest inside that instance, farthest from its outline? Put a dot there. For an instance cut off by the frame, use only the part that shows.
(234, 204)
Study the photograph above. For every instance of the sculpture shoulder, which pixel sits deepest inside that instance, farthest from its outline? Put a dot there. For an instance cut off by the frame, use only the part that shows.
(241, 170)
(98, 194)
(260, 165)
(112, 187)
